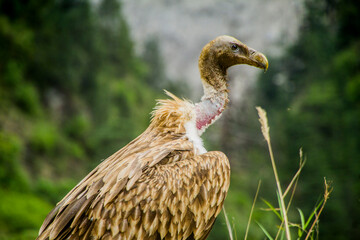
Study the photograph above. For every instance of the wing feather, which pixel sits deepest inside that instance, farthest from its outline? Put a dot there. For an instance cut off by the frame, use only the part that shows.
(99, 188)
(66, 216)
(153, 188)
(181, 209)
(49, 218)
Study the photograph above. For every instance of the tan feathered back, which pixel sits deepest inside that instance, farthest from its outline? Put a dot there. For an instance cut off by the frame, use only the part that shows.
(156, 187)
(159, 186)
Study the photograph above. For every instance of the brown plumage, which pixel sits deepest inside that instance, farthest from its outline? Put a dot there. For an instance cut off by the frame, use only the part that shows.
(163, 184)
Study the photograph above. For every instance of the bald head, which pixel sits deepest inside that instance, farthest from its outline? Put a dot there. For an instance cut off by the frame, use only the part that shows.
(223, 52)
(228, 51)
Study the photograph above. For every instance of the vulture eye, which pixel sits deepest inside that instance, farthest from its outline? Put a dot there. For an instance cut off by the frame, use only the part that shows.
(235, 48)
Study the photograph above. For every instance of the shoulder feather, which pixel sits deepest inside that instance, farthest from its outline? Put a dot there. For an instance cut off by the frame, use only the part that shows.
(117, 173)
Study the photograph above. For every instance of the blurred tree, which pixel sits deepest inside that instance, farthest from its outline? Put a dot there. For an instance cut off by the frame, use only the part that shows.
(312, 97)
(72, 91)
(155, 75)
(152, 56)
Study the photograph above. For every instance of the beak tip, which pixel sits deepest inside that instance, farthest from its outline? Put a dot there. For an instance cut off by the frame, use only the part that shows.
(261, 61)
(264, 62)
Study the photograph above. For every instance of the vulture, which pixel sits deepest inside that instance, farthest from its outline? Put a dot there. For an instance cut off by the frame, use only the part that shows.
(164, 184)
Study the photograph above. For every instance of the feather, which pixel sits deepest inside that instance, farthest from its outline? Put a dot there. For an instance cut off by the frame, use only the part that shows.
(163, 184)
(67, 215)
(79, 214)
(115, 190)
(49, 218)
(153, 180)
(94, 188)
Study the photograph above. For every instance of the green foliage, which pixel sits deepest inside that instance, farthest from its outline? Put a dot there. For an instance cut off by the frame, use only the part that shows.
(53, 191)
(78, 126)
(21, 214)
(72, 92)
(312, 95)
(156, 74)
(43, 138)
(27, 99)
(12, 175)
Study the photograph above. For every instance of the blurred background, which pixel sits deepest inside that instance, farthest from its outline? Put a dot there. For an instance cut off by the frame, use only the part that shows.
(78, 79)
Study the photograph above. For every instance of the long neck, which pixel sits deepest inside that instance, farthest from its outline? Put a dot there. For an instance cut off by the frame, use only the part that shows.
(208, 110)
(215, 98)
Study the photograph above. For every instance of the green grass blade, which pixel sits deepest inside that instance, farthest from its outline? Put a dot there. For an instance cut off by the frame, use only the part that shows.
(228, 224)
(265, 232)
(234, 228)
(313, 214)
(282, 235)
(252, 209)
(302, 218)
(280, 206)
(272, 209)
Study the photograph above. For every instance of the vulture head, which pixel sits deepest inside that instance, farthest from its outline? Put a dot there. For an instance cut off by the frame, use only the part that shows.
(220, 54)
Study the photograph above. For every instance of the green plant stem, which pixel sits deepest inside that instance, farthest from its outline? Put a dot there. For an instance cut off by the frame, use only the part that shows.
(252, 209)
(326, 197)
(295, 178)
(282, 207)
(294, 181)
(228, 224)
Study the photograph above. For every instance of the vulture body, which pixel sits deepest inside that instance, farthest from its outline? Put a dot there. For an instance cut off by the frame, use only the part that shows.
(163, 184)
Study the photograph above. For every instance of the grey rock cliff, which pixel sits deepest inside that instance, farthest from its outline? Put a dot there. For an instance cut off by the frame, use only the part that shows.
(184, 27)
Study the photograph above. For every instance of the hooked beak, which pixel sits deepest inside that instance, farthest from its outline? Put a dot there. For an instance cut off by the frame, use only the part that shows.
(257, 59)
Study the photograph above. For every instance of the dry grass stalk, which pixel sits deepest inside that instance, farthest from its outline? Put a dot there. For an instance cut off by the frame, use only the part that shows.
(252, 209)
(228, 224)
(294, 182)
(291, 187)
(327, 193)
(265, 131)
(296, 176)
(264, 123)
